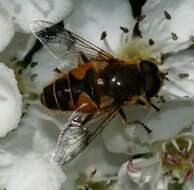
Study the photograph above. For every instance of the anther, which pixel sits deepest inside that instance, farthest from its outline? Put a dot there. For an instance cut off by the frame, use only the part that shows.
(183, 75)
(124, 36)
(124, 29)
(106, 44)
(174, 36)
(103, 35)
(151, 42)
(167, 15)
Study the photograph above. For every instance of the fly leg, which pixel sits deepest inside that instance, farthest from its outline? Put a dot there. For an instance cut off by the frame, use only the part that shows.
(145, 102)
(124, 118)
(142, 124)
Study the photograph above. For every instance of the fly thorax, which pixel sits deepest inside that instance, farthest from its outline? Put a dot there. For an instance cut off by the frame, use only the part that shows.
(123, 81)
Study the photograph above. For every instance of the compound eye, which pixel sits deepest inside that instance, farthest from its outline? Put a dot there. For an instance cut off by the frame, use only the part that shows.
(153, 85)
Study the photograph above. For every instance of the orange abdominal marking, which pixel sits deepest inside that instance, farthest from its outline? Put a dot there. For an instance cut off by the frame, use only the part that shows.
(80, 71)
(85, 99)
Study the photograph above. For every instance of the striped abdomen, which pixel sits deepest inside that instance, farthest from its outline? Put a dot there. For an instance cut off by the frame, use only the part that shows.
(57, 95)
(68, 93)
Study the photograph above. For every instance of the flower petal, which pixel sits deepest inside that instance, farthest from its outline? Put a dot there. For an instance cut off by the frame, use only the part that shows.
(10, 101)
(142, 176)
(6, 29)
(180, 68)
(188, 185)
(93, 170)
(26, 11)
(31, 171)
(124, 181)
(91, 18)
(119, 138)
(105, 163)
(169, 23)
(44, 70)
(162, 124)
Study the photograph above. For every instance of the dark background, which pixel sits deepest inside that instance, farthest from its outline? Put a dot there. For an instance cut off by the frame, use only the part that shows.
(136, 7)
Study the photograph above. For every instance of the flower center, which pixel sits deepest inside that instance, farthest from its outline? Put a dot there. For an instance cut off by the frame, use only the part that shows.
(136, 47)
(178, 158)
(129, 47)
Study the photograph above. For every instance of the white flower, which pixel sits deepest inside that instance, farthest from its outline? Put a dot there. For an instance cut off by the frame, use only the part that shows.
(163, 36)
(96, 165)
(161, 20)
(159, 30)
(25, 156)
(18, 15)
(135, 177)
(10, 101)
(31, 171)
(133, 141)
(171, 164)
(7, 28)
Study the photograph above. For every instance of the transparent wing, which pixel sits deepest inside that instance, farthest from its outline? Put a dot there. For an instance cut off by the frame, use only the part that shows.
(62, 42)
(76, 136)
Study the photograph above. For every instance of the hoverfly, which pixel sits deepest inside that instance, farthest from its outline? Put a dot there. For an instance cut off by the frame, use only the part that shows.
(98, 87)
